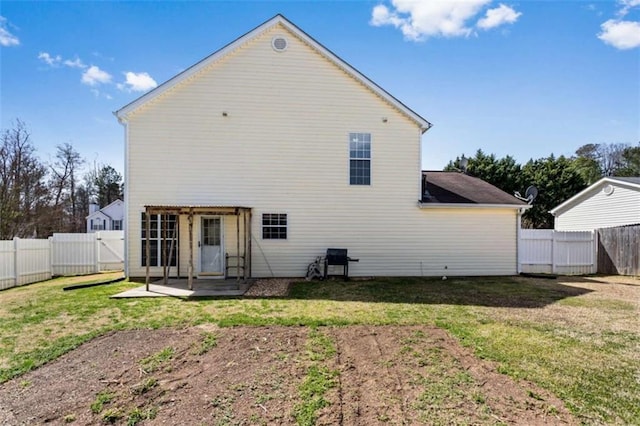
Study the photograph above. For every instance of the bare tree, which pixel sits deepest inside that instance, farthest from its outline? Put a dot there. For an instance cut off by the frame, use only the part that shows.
(609, 158)
(23, 194)
(64, 176)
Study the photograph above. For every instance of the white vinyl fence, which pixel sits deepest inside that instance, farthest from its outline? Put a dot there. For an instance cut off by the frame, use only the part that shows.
(558, 252)
(24, 261)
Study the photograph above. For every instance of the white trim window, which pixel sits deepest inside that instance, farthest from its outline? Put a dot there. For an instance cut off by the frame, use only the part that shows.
(98, 225)
(274, 226)
(116, 225)
(160, 226)
(360, 158)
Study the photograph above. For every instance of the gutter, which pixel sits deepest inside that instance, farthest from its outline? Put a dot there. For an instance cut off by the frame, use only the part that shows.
(521, 208)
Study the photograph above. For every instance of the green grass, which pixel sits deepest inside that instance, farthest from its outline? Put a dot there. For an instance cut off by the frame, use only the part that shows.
(318, 380)
(156, 361)
(144, 387)
(208, 342)
(102, 398)
(138, 415)
(580, 344)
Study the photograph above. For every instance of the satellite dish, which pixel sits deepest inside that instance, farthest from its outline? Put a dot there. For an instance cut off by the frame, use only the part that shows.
(529, 195)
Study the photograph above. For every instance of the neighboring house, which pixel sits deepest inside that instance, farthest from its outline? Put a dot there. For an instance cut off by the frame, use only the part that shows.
(612, 201)
(272, 150)
(109, 218)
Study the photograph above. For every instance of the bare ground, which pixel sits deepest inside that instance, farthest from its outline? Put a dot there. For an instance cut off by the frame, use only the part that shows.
(385, 375)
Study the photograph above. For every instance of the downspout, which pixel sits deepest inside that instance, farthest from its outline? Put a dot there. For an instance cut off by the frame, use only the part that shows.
(518, 238)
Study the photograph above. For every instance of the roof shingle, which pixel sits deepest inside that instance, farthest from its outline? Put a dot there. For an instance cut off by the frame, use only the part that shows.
(459, 188)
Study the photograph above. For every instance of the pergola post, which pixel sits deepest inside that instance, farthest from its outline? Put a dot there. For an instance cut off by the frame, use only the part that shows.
(163, 230)
(147, 217)
(249, 236)
(190, 249)
(238, 245)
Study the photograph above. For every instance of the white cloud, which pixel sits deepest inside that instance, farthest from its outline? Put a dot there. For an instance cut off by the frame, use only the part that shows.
(419, 20)
(76, 63)
(138, 82)
(94, 76)
(52, 61)
(6, 38)
(498, 16)
(55, 61)
(620, 34)
(627, 5)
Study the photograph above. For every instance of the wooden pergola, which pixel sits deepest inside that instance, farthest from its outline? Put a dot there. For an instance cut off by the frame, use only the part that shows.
(243, 217)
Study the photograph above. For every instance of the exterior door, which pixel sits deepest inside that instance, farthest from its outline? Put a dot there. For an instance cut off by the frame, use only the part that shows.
(211, 247)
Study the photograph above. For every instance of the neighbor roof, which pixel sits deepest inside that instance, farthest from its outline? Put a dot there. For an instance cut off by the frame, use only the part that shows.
(627, 182)
(101, 211)
(635, 180)
(278, 19)
(460, 188)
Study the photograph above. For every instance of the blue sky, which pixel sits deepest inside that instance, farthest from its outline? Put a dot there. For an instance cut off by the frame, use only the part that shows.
(522, 78)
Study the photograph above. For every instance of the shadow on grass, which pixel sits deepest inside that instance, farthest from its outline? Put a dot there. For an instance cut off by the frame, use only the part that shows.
(507, 292)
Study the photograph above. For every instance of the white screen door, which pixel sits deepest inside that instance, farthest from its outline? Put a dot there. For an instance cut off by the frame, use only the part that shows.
(211, 261)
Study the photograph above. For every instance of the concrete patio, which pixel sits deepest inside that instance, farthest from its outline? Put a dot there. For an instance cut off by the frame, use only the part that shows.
(180, 288)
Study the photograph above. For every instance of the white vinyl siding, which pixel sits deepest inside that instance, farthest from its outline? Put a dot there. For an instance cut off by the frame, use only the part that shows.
(598, 210)
(266, 130)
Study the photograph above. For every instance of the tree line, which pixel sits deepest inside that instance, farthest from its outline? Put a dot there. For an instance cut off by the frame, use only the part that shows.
(39, 198)
(556, 178)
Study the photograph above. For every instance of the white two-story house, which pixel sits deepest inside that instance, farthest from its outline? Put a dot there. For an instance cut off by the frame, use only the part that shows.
(108, 218)
(258, 158)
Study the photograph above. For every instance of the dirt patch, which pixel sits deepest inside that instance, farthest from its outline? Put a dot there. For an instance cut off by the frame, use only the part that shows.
(243, 375)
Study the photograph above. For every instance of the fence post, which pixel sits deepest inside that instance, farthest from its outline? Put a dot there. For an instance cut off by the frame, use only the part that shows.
(50, 239)
(553, 252)
(16, 264)
(594, 241)
(96, 236)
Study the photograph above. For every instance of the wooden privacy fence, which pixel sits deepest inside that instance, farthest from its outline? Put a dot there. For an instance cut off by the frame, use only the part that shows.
(557, 252)
(24, 261)
(619, 250)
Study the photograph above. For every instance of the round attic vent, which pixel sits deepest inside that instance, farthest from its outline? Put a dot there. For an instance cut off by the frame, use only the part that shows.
(608, 189)
(279, 44)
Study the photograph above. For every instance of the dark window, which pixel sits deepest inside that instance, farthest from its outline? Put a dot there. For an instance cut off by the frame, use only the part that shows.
(360, 158)
(274, 226)
(160, 226)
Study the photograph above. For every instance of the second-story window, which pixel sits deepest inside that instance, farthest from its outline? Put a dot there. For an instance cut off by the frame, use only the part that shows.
(360, 158)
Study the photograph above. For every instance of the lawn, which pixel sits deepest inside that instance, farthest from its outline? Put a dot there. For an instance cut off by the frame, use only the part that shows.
(578, 338)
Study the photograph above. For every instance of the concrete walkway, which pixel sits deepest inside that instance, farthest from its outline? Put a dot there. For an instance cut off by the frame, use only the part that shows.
(179, 288)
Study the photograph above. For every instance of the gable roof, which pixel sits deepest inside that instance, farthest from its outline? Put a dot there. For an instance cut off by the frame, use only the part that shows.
(102, 210)
(627, 182)
(460, 188)
(631, 179)
(122, 113)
